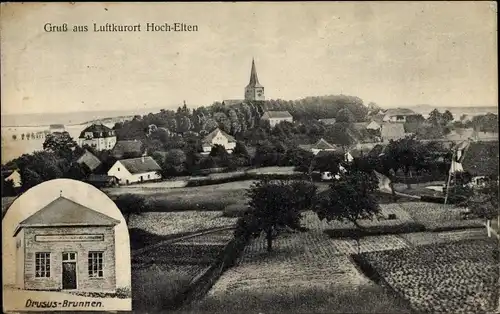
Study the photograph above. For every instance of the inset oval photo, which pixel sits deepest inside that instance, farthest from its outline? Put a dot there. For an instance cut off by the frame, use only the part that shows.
(65, 246)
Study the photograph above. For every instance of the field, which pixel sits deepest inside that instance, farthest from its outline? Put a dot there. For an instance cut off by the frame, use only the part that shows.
(305, 272)
(152, 227)
(457, 277)
(208, 198)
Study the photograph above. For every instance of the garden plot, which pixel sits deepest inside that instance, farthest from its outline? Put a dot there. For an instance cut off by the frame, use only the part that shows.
(439, 216)
(369, 244)
(311, 221)
(298, 260)
(424, 238)
(456, 277)
(168, 223)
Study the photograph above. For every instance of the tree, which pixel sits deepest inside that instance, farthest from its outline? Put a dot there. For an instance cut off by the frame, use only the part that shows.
(174, 162)
(274, 205)
(406, 153)
(265, 154)
(62, 144)
(241, 150)
(349, 199)
(130, 204)
(29, 179)
(345, 116)
(447, 117)
(8, 188)
(484, 203)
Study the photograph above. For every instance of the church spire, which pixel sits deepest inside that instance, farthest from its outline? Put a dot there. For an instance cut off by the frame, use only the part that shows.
(254, 80)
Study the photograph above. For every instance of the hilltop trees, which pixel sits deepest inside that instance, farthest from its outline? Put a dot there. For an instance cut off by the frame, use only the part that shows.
(62, 144)
(130, 204)
(275, 205)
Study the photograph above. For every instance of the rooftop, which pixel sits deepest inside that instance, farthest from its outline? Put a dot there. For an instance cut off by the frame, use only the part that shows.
(278, 114)
(63, 212)
(140, 165)
(210, 136)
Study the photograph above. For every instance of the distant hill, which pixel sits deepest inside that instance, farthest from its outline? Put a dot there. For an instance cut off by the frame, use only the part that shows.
(70, 118)
(425, 109)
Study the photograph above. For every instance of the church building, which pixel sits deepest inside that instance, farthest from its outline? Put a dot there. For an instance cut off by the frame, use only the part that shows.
(254, 91)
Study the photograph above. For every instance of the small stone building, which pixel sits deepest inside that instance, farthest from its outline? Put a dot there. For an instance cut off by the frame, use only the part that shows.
(66, 246)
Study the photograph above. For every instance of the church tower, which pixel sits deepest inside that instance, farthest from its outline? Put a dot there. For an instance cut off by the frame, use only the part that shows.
(254, 91)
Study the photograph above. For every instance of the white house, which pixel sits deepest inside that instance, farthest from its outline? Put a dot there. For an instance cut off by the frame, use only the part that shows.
(134, 170)
(97, 136)
(219, 137)
(320, 146)
(275, 117)
(15, 176)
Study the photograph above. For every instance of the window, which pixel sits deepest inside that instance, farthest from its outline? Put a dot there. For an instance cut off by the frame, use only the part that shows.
(149, 176)
(42, 265)
(95, 264)
(69, 257)
(118, 168)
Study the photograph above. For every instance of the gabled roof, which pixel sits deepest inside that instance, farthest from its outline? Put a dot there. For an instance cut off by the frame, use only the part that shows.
(377, 150)
(210, 136)
(90, 160)
(481, 158)
(140, 165)
(65, 212)
(329, 121)
(373, 124)
(278, 114)
(322, 144)
(392, 130)
(98, 130)
(123, 147)
(360, 125)
(399, 112)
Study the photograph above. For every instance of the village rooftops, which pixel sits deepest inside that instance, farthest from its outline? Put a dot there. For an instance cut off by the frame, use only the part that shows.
(98, 131)
(392, 130)
(322, 144)
(210, 136)
(278, 114)
(63, 212)
(140, 165)
(127, 147)
(399, 112)
(90, 160)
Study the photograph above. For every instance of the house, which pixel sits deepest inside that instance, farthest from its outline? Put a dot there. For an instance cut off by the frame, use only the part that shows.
(97, 136)
(275, 117)
(57, 128)
(374, 126)
(66, 246)
(330, 121)
(13, 175)
(128, 149)
(134, 170)
(392, 131)
(102, 180)
(319, 146)
(219, 137)
(397, 115)
(89, 160)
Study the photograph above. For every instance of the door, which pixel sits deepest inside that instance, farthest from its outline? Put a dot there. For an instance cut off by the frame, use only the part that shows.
(69, 275)
(69, 270)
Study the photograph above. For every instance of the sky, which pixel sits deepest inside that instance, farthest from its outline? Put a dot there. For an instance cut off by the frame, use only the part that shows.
(394, 54)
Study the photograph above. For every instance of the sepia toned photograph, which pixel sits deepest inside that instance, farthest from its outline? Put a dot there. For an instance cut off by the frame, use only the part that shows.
(255, 157)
